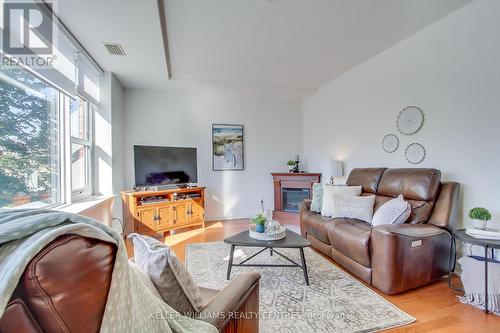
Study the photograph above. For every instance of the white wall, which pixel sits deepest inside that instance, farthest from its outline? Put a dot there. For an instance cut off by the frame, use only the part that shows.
(103, 128)
(117, 160)
(272, 134)
(108, 123)
(451, 69)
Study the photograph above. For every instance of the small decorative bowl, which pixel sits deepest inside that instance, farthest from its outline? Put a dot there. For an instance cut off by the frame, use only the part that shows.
(273, 226)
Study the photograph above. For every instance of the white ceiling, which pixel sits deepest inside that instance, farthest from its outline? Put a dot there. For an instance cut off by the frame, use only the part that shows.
(283, 47)
(135, 24)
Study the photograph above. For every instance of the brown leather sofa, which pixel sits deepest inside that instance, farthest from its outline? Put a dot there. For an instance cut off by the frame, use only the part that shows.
(65, 288)
(392, 258)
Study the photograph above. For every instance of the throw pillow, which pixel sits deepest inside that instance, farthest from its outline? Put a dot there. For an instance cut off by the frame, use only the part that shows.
(394, 211)
(317, 197)
(329, 191)
(174, 283)
(360, 208)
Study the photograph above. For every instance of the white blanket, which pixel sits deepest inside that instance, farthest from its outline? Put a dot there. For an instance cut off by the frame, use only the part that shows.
(473, 281)
(131, 306)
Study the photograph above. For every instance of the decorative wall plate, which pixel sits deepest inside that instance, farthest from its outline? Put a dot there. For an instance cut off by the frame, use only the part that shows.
(415, 153)
(390, 143)
(410, 120)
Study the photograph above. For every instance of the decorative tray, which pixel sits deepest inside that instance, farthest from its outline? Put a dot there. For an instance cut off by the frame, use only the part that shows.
(265, 236)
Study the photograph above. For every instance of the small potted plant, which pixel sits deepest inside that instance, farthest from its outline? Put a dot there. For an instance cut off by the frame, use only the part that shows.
(260, 223)
(479, 216)
(291, 165)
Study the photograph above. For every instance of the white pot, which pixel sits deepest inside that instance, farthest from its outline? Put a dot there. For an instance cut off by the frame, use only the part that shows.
(478, 224)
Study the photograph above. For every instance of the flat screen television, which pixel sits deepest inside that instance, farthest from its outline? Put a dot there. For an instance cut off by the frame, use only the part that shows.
(156, 166)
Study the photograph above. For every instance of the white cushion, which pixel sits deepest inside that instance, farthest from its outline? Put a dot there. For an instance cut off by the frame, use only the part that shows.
(394, 211)
(329, 191)
(354, 207)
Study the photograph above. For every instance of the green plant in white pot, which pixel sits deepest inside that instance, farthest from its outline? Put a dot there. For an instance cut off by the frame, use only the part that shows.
(479, 217)
(291, 165)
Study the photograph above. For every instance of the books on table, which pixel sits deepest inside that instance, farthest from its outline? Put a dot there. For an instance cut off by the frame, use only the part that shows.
(487, 233)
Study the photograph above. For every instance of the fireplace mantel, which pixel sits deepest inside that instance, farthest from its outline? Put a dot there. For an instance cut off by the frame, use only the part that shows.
(292, 181)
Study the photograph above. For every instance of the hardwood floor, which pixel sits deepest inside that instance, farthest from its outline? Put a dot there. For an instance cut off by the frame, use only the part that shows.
(435, 306)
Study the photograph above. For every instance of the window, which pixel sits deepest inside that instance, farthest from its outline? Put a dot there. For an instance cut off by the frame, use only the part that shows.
(81, 147)
(45, 142)
(30, 169)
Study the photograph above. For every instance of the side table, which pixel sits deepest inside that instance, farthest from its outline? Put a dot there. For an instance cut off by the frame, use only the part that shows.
(461, 236)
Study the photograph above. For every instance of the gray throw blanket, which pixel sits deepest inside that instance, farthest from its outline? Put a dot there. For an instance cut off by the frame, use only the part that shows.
(473, 281)
(131, 306)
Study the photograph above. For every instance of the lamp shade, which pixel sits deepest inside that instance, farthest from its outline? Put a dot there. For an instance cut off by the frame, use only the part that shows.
(336, 168)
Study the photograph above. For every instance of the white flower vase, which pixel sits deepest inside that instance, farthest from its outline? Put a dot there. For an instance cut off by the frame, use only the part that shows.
(478, 224)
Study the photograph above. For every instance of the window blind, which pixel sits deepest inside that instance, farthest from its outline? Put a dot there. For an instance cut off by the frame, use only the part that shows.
(73, 69)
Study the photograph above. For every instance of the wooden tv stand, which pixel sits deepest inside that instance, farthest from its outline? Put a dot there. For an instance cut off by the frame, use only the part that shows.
(173, 209)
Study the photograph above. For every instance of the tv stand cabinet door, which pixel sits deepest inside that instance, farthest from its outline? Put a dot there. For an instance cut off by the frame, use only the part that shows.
(181, 216)
(146, 217)
(196, 211)
(166, 217)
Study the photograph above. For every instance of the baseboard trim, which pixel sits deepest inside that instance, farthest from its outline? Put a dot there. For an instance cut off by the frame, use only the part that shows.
(230, 215)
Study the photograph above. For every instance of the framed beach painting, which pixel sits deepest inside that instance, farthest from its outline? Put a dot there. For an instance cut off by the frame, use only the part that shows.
(227, 147)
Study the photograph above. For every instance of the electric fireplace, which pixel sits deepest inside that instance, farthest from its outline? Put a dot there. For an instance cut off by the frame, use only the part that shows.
(290, 189)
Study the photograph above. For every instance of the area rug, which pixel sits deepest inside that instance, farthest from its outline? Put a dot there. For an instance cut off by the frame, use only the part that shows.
(333, 302)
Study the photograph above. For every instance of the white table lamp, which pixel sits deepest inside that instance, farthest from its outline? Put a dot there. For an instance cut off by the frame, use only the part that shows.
(336, 170)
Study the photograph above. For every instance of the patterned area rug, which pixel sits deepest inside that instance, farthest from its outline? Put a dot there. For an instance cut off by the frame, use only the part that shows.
(333, 302)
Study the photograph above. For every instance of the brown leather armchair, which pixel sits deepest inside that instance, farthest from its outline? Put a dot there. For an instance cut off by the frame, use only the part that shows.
(392, 258)
(64, 288)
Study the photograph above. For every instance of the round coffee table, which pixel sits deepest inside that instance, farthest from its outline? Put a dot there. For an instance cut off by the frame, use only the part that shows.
(292, 240)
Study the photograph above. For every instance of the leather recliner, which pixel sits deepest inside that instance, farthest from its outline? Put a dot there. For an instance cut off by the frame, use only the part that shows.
(65, 287)
(395, 257)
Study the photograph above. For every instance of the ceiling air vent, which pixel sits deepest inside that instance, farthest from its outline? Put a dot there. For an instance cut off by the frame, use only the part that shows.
(114, 49)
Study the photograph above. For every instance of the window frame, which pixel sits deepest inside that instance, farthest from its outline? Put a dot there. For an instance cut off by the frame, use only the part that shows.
(88, 190)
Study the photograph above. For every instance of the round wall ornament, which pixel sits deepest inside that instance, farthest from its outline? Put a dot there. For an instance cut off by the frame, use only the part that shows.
(390, 143)
(415, 153)
(410, 120)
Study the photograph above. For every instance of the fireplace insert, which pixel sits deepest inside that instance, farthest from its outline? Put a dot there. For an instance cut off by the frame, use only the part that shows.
(292, 197)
